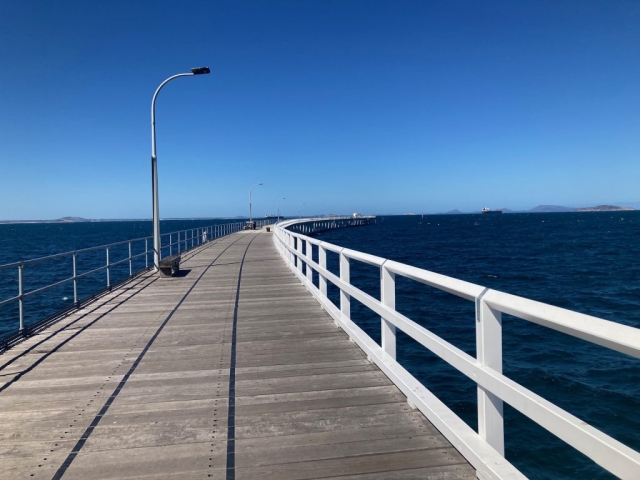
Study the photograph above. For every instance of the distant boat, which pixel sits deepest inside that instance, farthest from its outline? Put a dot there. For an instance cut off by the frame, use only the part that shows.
(487, 210)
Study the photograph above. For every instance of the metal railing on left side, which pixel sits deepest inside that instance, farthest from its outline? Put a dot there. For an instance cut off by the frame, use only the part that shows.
(174, 242)
(483, 449)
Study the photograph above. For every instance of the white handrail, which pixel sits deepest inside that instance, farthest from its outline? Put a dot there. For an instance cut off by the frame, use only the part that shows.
(484, 450)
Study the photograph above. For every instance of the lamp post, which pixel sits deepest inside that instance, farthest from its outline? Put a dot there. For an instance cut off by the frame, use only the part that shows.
(154, 164)
(283, 198)
(250, 212)
(300, 209)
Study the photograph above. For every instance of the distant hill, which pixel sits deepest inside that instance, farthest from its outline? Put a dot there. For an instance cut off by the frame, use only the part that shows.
(453, 212)
(551, 209)
(604, 208)
(72, 220)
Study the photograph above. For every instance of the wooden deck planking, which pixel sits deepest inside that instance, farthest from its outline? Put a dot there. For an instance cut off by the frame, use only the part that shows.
(155, 356)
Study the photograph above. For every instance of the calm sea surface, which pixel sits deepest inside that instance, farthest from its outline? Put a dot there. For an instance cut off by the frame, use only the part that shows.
(27, 241)
(587, 262)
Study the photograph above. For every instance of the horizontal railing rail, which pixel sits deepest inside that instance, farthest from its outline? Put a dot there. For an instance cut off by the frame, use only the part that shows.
(175, 242)
(483, 449)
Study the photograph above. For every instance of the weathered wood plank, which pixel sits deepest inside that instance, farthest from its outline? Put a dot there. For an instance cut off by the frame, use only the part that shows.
(146, 377)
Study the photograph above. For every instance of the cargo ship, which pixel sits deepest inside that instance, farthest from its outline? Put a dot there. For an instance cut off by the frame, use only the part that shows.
(487, 210)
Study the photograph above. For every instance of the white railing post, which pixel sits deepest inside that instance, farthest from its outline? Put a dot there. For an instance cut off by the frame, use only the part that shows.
(489, 354)
(146, 253)
(299, 256)
(322, 261)
(388, 298)
(170, 244)
(345, 276)
(309, 257)
(289, 252)
(130, 262)
(292, 256)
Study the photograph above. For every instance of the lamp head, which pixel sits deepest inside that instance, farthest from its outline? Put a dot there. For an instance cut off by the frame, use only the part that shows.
(200, 70)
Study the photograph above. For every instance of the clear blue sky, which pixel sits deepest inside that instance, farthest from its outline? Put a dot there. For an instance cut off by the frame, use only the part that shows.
(371, 106)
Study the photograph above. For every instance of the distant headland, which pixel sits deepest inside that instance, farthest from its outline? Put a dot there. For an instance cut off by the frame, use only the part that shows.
(556, 209)
(70, 220)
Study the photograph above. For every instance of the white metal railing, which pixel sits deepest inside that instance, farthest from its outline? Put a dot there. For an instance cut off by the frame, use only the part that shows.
(177, 242)
(484, 449)
(320, 224)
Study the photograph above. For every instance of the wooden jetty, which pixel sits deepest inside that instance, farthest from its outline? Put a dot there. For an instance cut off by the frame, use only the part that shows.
(228, 371)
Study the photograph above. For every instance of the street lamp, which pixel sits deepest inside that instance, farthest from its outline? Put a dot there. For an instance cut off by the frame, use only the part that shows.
(154, 164)
(300, 209)
(250, 212)
(283, 198)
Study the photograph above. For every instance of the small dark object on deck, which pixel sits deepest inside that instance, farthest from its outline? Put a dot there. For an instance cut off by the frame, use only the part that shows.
(268, 229)
(169, 266)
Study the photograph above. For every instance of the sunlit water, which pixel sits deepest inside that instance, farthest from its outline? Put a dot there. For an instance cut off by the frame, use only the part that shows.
(587, 262)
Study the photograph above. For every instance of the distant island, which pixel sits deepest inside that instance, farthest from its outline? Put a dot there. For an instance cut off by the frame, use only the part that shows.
(604, 208)
(559, 209)
(79, 220)
(554, 209)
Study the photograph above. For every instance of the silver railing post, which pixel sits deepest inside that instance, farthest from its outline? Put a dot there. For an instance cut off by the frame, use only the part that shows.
(146, 253)
(388, 298)
(489, 352)
(21, 294)
(178, 242)
(345, 276)
(108, 270)
(170, 244)
(322, 260)
(309, 257)
(130, 262)
(75, 279)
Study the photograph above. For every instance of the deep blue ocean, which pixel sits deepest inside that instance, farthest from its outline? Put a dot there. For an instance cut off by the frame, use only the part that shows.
(26, 241)
(587, 262)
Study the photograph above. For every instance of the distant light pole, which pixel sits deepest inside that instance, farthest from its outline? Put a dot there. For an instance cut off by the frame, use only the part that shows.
(300, 209)
(283, 198)
(154, 164)
(250, 212)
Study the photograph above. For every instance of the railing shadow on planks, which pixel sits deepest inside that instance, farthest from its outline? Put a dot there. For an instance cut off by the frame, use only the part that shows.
(174, 242)
(483, 449)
